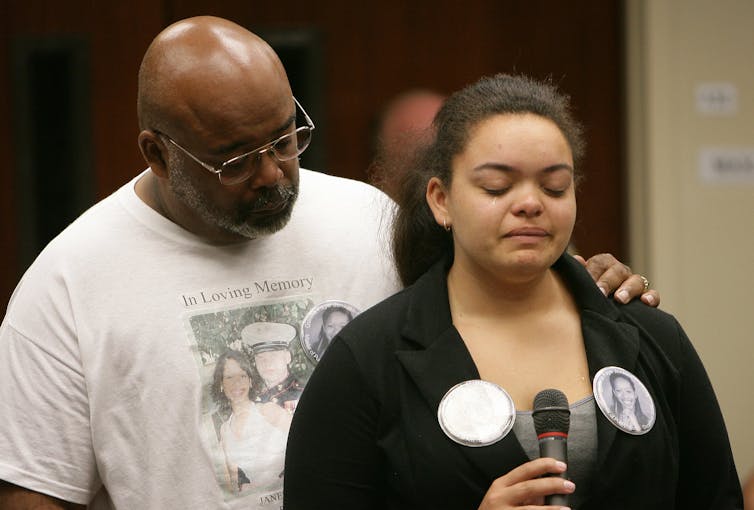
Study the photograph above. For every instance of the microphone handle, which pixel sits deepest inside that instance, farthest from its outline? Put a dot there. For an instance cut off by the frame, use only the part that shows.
(555, 447)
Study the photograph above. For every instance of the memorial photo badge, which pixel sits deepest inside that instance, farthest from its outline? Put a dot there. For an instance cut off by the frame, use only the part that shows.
(624, 400)
(321, 324)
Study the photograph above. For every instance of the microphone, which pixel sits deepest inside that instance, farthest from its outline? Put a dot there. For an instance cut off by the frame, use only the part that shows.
(552, 419)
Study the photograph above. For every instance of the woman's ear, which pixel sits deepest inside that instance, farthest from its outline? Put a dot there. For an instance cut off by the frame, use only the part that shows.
(437, 198)
(154, 151)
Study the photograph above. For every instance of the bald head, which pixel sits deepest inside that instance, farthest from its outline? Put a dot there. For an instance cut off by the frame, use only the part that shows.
(210, 91)
(200, 69)
(408, 114)
(404, 127)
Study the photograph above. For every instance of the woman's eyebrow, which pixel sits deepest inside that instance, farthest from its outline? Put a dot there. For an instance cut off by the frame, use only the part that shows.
(508, 168)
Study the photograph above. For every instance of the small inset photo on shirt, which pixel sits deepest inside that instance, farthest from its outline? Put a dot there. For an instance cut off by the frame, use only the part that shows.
(321, 324)
(624, 400)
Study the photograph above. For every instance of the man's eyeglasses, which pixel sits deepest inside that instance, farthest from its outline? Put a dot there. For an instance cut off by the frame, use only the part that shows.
(239, 168)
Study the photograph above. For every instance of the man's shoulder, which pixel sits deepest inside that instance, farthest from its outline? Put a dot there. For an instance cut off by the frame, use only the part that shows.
(336, 184)
(94, 237)
(95, 223)
(344, 201)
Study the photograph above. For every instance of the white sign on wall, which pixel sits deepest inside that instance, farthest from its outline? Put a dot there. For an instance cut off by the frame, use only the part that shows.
(719, 98)
(726, 165)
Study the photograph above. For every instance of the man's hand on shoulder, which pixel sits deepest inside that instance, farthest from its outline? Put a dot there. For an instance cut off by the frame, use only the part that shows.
(612, 276)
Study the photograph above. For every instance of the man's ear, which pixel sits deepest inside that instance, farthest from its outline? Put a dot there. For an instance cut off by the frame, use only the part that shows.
(437, 197)
(154, 151)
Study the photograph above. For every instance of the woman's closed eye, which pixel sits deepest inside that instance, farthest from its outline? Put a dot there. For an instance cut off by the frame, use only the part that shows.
(496, 191)
(555, 192)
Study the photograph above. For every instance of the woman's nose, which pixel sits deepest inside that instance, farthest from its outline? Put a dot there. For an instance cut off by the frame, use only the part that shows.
(528, 201)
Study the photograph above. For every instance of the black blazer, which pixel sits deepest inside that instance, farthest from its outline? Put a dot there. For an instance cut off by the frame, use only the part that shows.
(366, 435)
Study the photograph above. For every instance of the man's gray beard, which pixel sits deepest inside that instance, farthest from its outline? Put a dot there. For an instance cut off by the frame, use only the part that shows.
(181, 184)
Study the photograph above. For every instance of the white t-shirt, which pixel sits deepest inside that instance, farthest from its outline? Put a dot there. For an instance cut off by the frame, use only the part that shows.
(109, 344)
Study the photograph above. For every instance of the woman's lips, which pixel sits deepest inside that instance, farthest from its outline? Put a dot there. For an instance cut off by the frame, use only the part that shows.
(527, 232)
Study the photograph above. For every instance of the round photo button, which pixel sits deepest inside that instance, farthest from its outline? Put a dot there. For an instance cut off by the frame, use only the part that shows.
(476, 413)
(624, 400)
(321, 324)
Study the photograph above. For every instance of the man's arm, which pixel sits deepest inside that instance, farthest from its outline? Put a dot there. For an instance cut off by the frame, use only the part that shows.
(13, 497)
(612, 275)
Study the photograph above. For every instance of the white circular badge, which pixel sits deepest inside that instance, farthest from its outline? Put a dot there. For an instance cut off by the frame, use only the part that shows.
(624, 400)
(476, 413)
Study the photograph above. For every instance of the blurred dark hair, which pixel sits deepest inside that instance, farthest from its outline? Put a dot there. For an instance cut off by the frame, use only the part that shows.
(335, 308)
(418, 241)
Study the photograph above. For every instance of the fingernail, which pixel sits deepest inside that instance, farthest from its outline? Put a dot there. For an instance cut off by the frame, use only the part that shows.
(603, 288)
(561, 465)
(569, 485)
(649, 299)
(622, 296)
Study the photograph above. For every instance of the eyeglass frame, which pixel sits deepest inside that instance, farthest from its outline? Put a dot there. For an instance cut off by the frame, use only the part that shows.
(269, 146)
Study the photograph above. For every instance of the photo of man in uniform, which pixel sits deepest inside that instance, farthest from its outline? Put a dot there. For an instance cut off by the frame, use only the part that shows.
(271, 357)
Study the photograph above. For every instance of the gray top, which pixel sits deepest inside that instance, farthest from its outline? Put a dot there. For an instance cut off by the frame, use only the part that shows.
(582, 444)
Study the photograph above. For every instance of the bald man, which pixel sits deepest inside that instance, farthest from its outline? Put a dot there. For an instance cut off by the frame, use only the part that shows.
(108, 350)
(108, 347)
(402, 127)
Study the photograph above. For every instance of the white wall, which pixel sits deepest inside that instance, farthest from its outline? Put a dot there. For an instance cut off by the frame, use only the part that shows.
(695, 239)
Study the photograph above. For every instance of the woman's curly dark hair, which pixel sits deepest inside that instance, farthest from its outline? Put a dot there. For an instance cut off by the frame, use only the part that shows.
(418, 241)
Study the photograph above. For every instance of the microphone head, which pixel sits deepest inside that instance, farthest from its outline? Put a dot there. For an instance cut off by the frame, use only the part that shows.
(551, 413)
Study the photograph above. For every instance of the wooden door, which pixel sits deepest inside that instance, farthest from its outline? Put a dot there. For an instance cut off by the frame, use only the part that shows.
(347, 58)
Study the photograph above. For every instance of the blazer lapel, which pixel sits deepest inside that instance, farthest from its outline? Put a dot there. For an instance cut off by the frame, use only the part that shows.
(608, 344)
(441, 362)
